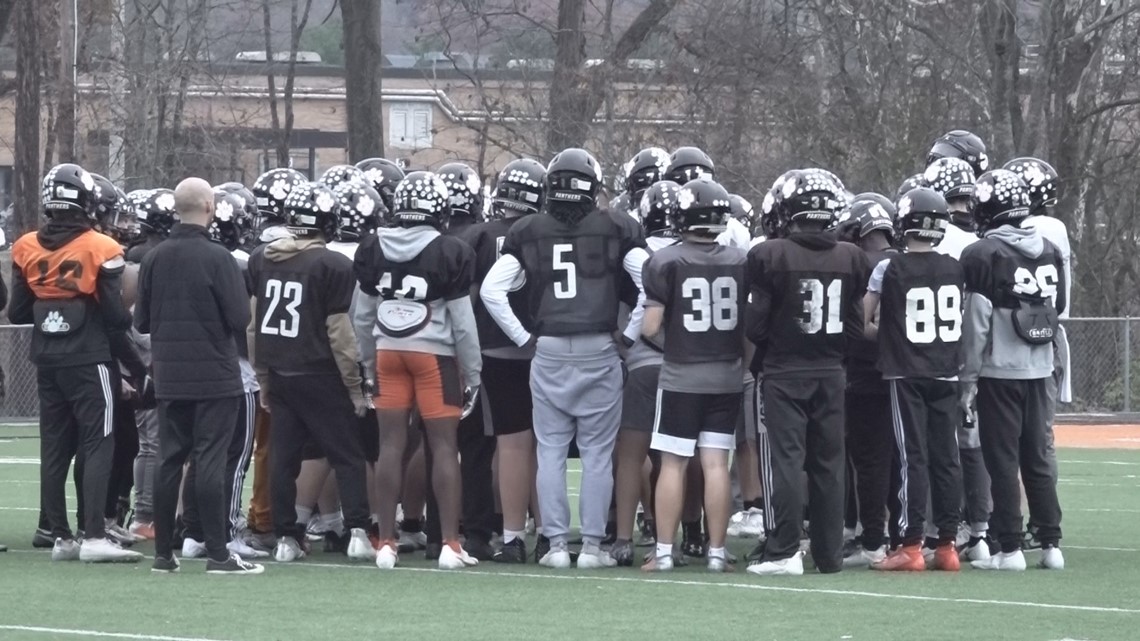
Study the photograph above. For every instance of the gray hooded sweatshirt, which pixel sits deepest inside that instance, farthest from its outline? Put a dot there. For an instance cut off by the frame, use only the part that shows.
(1005, 261)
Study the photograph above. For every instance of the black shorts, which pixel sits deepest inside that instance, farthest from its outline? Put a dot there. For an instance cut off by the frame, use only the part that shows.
(686, 421)
(639, 399)
(507, 403)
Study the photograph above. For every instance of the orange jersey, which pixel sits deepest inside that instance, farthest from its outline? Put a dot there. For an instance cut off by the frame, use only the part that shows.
(68, 271)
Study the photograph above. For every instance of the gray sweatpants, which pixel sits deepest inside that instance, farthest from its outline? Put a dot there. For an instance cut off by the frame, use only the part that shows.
(146, 462)
(576, 382)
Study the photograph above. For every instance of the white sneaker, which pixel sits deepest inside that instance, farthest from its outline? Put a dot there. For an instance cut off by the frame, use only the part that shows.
(716, 564)
(596, 559)
(791, 566)
(863, 557)
(1010, 561)
(557, 558)
(287, 550)
(65, 550)
(359, 547)
(106, 551)
(387, 557)
(192, 549)
(660, 564)
(747, 524)
(1051, 559)
(243, 550)
(450, 559)
(412, 541)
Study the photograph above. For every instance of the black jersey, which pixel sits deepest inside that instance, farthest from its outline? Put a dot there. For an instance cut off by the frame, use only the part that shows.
(806, 303)
(573, 271)
(863, 374)
(1004, 275)
(702, 287)
(920, 315)
(296, 292)
(487, 241)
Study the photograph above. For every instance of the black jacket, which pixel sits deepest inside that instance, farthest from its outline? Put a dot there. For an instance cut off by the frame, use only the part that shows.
(193, 302)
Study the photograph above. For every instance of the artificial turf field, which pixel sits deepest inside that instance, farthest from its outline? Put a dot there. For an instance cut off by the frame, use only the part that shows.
(1097, 598)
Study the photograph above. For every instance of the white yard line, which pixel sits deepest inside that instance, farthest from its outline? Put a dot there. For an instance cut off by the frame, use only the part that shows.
(19, 460)
(99, 633)
(1073, 461)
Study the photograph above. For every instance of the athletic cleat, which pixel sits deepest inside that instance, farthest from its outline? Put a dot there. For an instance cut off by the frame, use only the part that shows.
(976, 549)
(359, 547)
(1009, 561)
(791, 566)
(541, 547)
(43, 539)
(142, 531)
(264, 541)
(233, 566)
(863, 557)
(119, 534)
(513, 552)
(387, 556)
(288, 550)
(1051, 558)
(164, 565)
(658, 564)
(454, 557)
(646, 531)
(479, 549)
(106, 551)
(946, 558)
(193, 549)
(595, 559)
(622, 552)
(908, 558)
(1029, 540)
(693, 548)
(240, 548)
(748, 523)
(412, 541)
(717, 564)
(558, 558)
(65, 550)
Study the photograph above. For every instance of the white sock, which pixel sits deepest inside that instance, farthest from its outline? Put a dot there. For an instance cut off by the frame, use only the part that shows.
(375, 518)
(511, 535)
(664, 549)
(716, 553)
(334, 522)
(304, 514)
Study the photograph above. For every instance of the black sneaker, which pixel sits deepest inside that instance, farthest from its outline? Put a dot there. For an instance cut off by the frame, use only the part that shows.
(43, 539)
(479, 549)
(164, 565)
(232, 565)
(336, 543)
(513, 552)
(694, 548)
(432, 551)
(541, 547)
(622, 552)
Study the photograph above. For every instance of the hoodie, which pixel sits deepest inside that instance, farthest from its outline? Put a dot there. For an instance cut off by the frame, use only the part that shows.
(1005, 262)
(419, 273)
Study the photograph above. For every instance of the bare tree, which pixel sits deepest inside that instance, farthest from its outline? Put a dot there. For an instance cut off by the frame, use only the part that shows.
(298, 18)
(362, 78)
(26, 196)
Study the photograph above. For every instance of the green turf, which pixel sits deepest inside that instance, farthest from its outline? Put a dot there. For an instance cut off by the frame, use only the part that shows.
(1096, 598)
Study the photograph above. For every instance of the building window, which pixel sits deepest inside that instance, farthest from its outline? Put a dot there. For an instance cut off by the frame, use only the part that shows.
(298, 159)
(409, 125)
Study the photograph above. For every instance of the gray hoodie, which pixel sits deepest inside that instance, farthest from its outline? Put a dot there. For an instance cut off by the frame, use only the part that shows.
(1006, 257)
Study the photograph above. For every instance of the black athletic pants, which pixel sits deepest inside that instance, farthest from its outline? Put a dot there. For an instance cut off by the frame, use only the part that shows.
(1013, 417)
(315, 406)
(237, 464)
(198, 431)
(76, 415)
(925, 416)
(123, 462)
(870, 447)
(805, 434)
(476, 454)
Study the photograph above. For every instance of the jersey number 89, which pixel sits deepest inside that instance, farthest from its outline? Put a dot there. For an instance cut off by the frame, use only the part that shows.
(931, 315)
(714, 304)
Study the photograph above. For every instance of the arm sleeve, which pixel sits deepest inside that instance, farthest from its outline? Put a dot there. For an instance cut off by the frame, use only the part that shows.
(1062, 287)
(363, 320)
(231, 293)
(875, 284)
(365, 268)
(109, 285)
(977, 317)
(493, 293)
(466, 336)
(20, 311)
(633, 262)
(342, 339)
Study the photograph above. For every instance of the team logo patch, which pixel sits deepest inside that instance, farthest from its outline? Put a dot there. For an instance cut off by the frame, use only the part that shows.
(54, 323)
(224, 212)
(400, 318)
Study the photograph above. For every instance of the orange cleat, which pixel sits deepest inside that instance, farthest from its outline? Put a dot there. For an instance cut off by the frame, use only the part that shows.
(946, 558)
(907, 558)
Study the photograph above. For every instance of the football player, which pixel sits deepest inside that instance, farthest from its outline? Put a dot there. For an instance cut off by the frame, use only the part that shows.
(1015, 288)
(695, 292)
(384, 175)
(66, 281)
(963, 145)
(305, 353)
(571, 259)
(155, 212)
(914, 306)
(806, 306)
(416, 307)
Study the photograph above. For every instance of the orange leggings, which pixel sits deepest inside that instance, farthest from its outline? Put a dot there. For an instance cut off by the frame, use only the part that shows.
(428, 381)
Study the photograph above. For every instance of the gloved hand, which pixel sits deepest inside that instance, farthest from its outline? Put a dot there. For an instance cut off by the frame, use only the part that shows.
(470, 396)
(361, 403)
(368, 387)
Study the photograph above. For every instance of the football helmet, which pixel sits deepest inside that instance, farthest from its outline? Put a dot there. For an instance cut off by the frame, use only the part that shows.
(917, 180)
(1041, 180)
(963, 145)
(644, 169)
(270, 191)
(656, 207)
(241, 191)
(769, 223)
(864, 216)
(620, 202)
(338, 174)
(887, 204)
(361, 210)
(573, 176)
(703, 207)
(520, 188)
(464, 188)
(951, 177)
(231, 219)
(923, 214)
(109, 202)
(808, 196)
(689, 163)
(383, 175)
(1002, 198)
(421, 199)
(156, 212)
(68, 191)
(312, 208)
(742, 210)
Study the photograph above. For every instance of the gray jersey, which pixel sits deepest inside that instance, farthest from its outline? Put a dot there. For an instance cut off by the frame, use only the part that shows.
(702, 288)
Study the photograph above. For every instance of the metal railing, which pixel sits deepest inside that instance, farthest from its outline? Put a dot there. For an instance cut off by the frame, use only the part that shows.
(1104, 353)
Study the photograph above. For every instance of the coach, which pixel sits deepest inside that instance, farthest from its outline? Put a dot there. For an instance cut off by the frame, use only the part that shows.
(192, 301)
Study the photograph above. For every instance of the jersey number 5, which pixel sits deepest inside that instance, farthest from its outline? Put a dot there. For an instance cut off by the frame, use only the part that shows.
(815, 305)
(931, 314)
(568, 289)
(714, 304)
(277, 291)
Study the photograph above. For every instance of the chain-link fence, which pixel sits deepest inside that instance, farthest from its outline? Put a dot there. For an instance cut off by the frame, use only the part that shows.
(1104, 352)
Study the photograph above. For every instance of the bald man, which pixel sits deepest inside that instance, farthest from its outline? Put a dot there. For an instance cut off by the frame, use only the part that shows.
(192, 300)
